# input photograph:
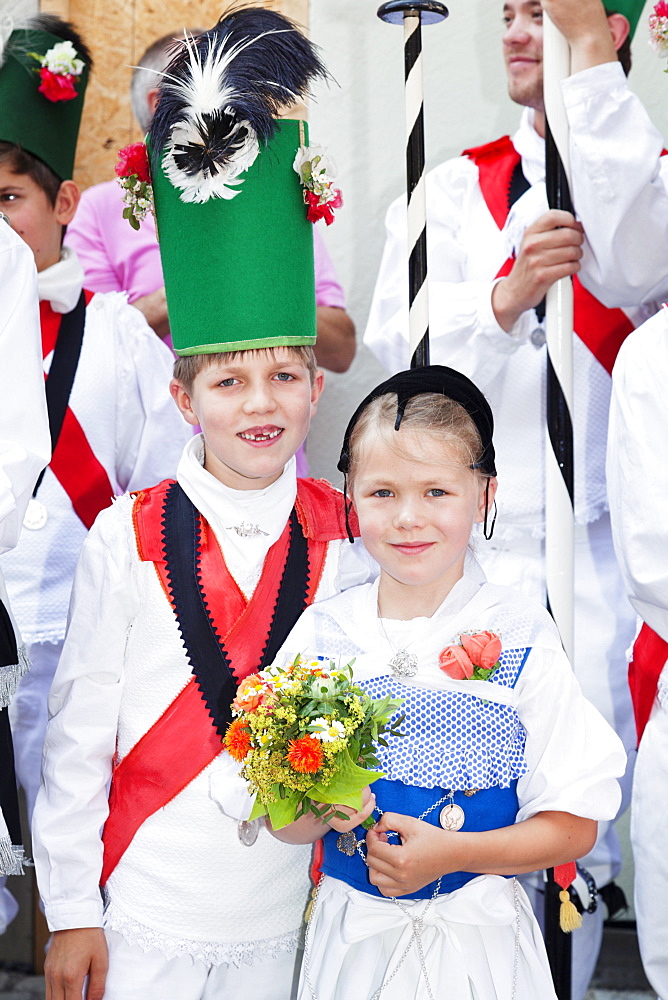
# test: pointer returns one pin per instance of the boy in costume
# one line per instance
(186, 588)
(113, 425)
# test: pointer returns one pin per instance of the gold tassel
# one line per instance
(309, 907)
(569, 918)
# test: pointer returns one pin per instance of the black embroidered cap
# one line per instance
(444, 381)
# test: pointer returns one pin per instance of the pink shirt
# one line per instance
(117, 258)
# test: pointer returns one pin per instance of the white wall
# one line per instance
(361, 122)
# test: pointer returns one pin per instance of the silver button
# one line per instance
(538, 336)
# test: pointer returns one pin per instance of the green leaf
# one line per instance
(257, 810)
(283, 812)
(345, 787)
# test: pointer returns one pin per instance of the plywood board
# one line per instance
(118, 33)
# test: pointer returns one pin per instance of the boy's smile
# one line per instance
(254, 409)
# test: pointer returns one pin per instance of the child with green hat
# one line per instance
(186, 588)
(113, 426)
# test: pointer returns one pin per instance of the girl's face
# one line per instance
(416, 516)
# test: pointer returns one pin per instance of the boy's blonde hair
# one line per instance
(441, 416)
(187, 369)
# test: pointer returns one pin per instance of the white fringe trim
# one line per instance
(210, 953)
(12, 858)
(10, 677)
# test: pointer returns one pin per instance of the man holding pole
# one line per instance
(494, 250)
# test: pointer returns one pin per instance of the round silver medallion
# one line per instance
(248, 831)
(451, 817)
(36, 515)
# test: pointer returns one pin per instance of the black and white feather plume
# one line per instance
(220, 96)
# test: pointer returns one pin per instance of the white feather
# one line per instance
(201, 187)
(14, 14)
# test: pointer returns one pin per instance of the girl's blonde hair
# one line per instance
(432, 412)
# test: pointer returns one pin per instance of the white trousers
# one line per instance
(649, 819)
(138, 975)
(28, 715)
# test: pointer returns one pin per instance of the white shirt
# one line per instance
(186, 884)
(466, 251)
(637, 469)
(120, 397)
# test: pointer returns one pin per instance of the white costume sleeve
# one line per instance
(466, 250)
(150, 431)
(80, 741)
(573, 756)
(25, 444)
(620, 192)
(636, 469)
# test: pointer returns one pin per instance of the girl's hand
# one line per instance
(420, 858)
(356, 818)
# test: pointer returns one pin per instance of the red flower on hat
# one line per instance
(317, 209)
(57, 86)
(133, 161)
(661, 8)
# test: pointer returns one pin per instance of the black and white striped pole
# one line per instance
(413, 14)
(559, 519)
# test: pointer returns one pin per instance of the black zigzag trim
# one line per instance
(209, 660)
(292, 592)
(210, 665)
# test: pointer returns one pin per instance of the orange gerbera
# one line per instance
(245, 700)
(305, 755)
(237, 740)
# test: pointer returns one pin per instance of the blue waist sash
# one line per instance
(488, 809)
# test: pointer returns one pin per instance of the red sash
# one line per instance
(183, 741)
(650, 654)
(73, 463)
(601, 329)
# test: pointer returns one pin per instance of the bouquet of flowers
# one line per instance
(305, 737)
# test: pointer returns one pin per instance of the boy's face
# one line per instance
(33, 217)
(254, 412)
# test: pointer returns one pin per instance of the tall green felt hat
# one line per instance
(231, 209)
(631, 9)
(45, 121)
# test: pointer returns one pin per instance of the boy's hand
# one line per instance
(398, 869)
(73, 955)
(356, 818)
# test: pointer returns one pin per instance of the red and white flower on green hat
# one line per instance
(317, 174)
(134, 177)
(658, 28)
(60, 67)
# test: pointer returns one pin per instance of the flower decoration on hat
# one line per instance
(134, 177)
(60, 67)
(221, 97)
(317, 174)
(658, 28)
(475, 657)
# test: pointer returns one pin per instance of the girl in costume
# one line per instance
(503, 768)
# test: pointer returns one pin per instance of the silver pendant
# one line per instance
(36, 515)
(248, 831)
(404, 664)
(347, 843)
(247, 530)
(451, 817)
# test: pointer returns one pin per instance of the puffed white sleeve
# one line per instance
(80, 742)
(620, 188)
(466, 250)
(637, 474)
(25, 443)
(573, 756)
(150, 432)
